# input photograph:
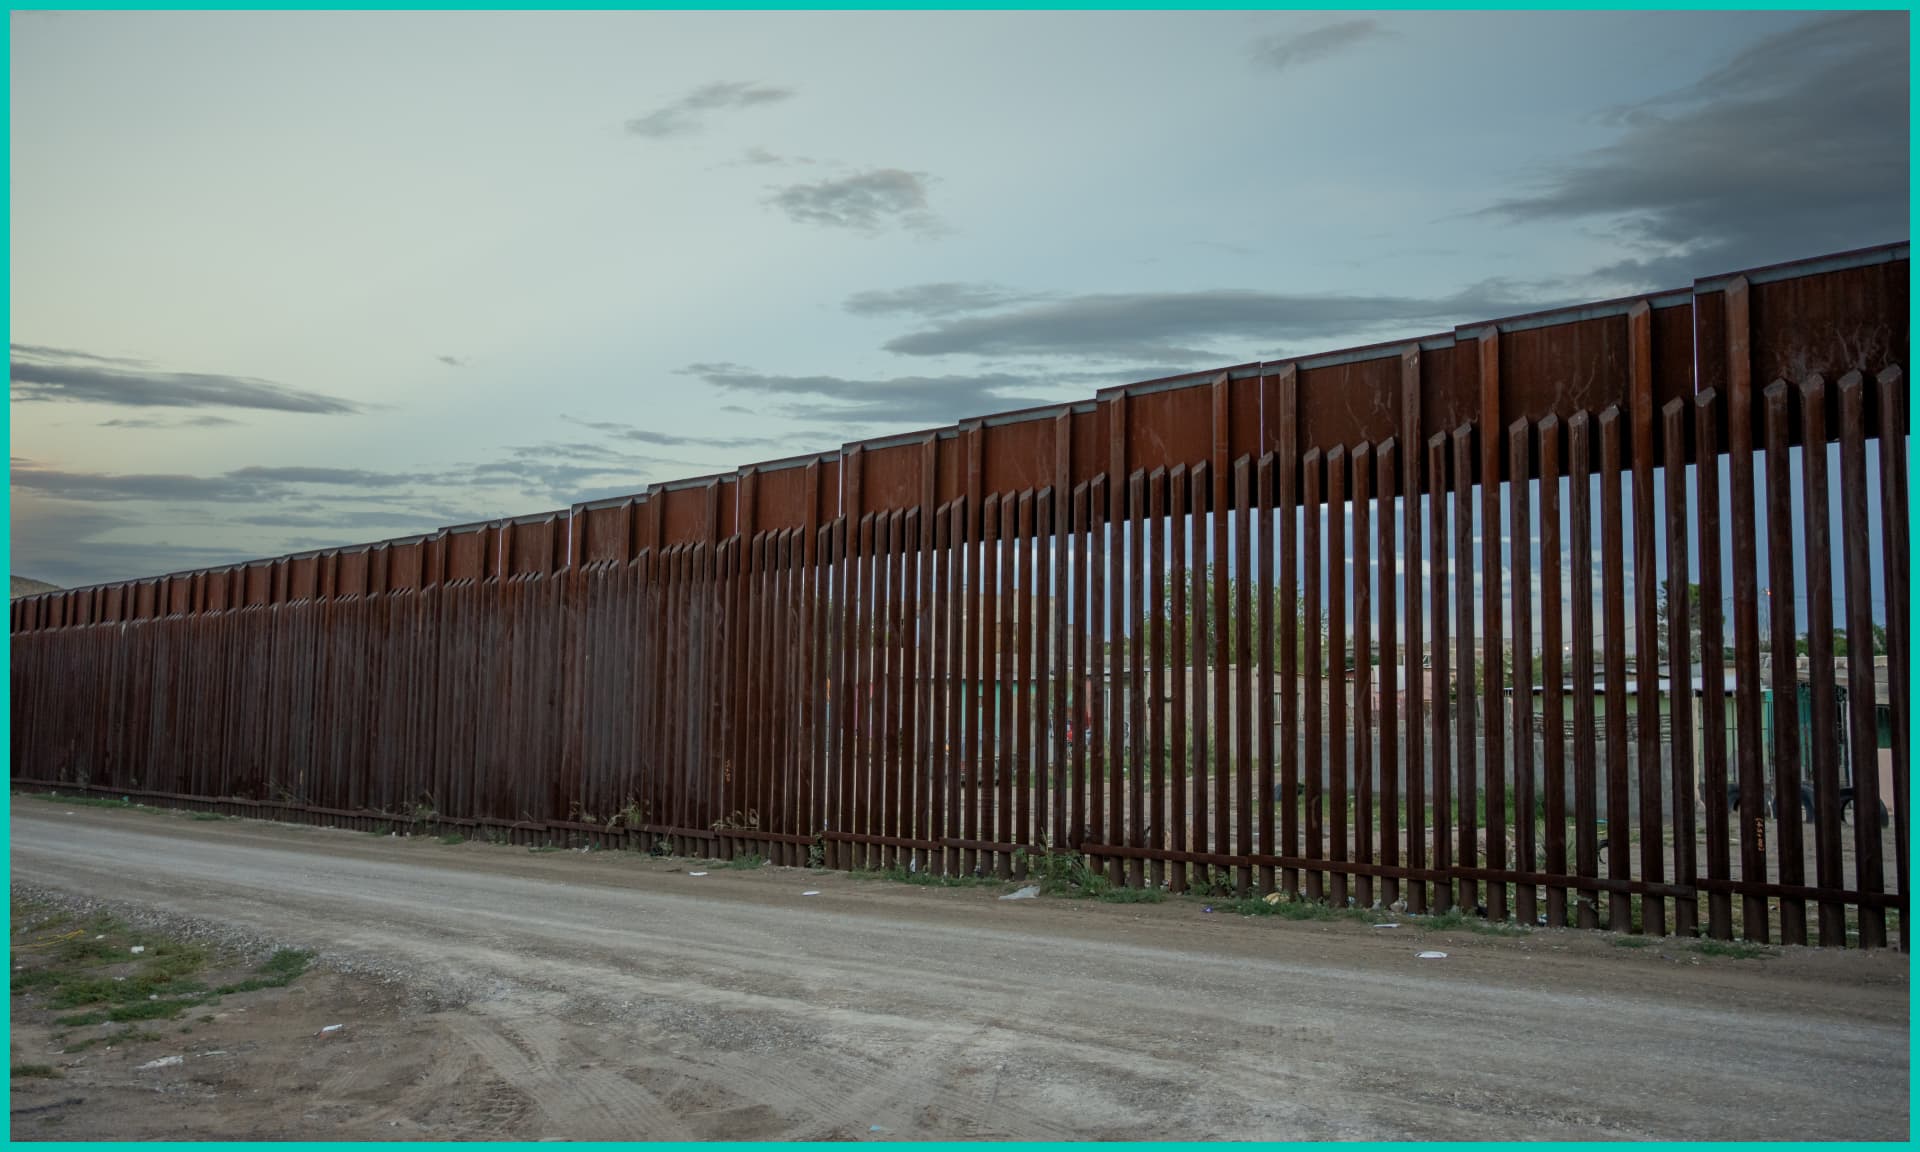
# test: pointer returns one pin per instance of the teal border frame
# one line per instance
(866, 5)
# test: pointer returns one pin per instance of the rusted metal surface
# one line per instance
(1247, 629)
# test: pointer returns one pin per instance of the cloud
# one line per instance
(924, 400)
(1797, 146)
(1281, 52)
(543, 473)
(943, 299)
(669, 439)
(758, 157)
(689, 113)
(351, 477)
(864, 202)
(353, 520)
(42, 352)
(451, 361)
(1162, 328)
(242, 484)
(46, 374)
(74, 545)
(190, 422)
(105, 487)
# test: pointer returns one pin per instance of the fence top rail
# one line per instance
(1534, 367)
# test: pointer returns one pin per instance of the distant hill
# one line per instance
(22, 586)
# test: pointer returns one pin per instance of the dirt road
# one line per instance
(615, 996)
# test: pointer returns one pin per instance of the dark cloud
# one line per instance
(1796, 147)
(73, 525)
(451, 361)
(1167, 328)
(105, 487)
(60, 374)
(42, 352)
(864, 202)
(1280, 52)
(261, 484)
(924, 400)
(689, 113)
(349, 477)
(190, 422)
(943, 299)
(74, 545)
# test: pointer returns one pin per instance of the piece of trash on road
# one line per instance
(696, 873)
(1433, 955)
(1273, 897)
(1208, 908)
(1027, 893)
(815, 892)
(329, 1028)
(137, 948)
(1387, 925)
(99, 937)
(873, 1127)
(163, 1062)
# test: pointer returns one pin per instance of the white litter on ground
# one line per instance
(696, 873)
(163, 1062)
(1027, 893)
(1433, 955)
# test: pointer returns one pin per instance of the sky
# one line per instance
(293, 280)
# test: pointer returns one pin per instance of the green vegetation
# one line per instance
(280, 969)
(1735, 949)
(750, 860)
(1633, 941)
(92, 965)
(1132, 896)
(1067, 874)
(127, 1035)
(34, 1070)
(901, 874)
(86, 801)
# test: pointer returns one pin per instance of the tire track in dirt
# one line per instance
(587, 1102)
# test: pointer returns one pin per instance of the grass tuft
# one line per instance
(1132, 896)
(84, 800)
(1733, 949)
(124, 1036)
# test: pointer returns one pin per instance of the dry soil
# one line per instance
(489, 991)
